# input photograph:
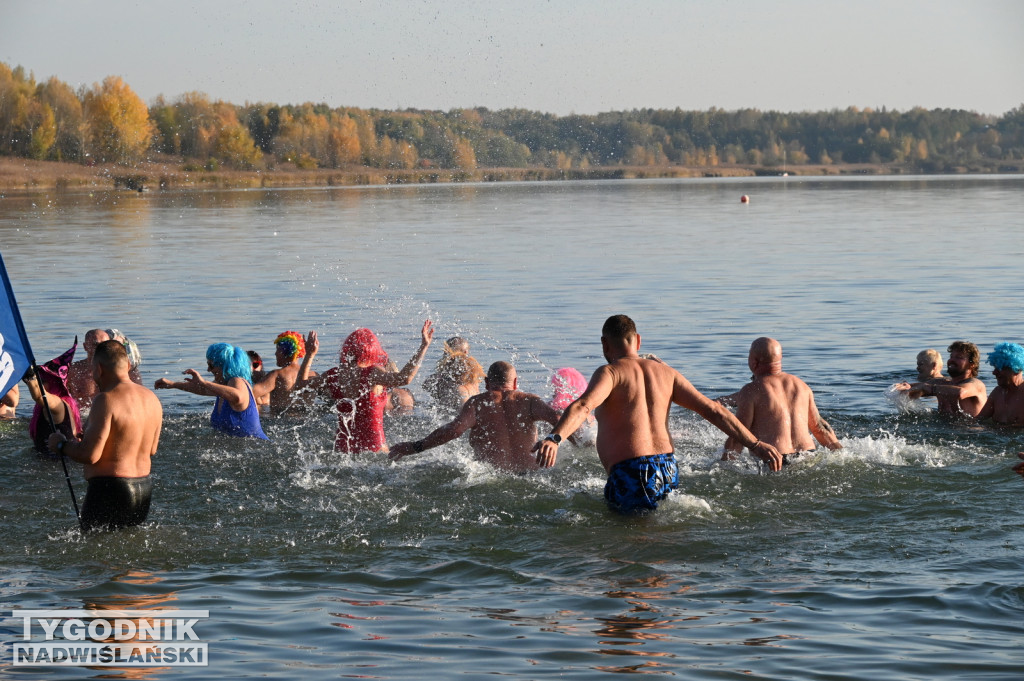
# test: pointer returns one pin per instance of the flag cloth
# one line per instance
(15, 352)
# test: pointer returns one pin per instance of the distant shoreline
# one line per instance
(25, 175)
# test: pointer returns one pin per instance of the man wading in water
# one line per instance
(122, 434)
(632, 397)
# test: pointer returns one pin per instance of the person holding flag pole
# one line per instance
(16, 359)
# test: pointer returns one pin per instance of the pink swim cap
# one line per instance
(569, 385)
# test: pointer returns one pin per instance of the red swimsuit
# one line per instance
(360, 420)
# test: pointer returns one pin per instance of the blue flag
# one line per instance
(15, 352)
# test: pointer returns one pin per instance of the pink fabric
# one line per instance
(54, 375)
(569, 385)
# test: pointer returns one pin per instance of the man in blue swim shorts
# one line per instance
(631, 397)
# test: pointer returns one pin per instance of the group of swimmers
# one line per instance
(629, 398)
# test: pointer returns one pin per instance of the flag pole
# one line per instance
(53, 427)
(26, 354)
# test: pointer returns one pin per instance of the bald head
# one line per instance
(929, 364)
(94, 337)
(765, 356)
(501, 376)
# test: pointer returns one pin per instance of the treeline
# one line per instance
(109, 123)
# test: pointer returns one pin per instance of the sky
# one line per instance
(555, 56)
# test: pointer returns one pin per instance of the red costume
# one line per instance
(360, 416)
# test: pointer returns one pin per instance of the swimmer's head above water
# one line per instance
(290, 346)
(231, 361)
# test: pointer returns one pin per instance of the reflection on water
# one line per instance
(316, 565)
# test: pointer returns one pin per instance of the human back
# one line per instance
(506, 427)
(130, 413)
(633, 419)
(779, 405)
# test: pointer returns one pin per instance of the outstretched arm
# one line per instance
(597, 392)
(234, 391)
(685, 395)
(265, 386)
(446, 433)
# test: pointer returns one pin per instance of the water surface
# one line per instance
(898, 557)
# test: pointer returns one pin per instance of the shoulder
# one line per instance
(796, 381)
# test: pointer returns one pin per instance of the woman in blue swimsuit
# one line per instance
(235, 411)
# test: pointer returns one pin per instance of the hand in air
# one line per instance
(312, 343)
(428, 332)
(163, 383)
(192, 376)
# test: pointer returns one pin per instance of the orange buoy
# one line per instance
(744, 199)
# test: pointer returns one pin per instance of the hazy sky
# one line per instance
(583, 56)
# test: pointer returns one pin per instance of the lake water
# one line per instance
(899, 557)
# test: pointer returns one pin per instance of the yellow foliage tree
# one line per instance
(118, 121)
(463, 156)
(44, 132)
(235, 148)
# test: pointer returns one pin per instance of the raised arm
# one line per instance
(312, 347)
(446, 433)
(390, 379)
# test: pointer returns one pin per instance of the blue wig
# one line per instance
(232, 361)
(1007, 355)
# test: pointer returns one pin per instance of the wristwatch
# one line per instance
(554, 437)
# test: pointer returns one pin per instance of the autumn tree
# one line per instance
(71, 130)
(118, 122)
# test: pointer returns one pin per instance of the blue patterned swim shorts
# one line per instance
(637, 485)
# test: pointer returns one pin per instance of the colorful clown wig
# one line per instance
(232, 361)
(1007, 356)
(293, 345)
(362, 348)
(569, 384)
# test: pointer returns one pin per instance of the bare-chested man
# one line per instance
(279, 384)
(120, 438)
(632, 397)
(502, 423)
(1005, 406)
(777, 407)
(964, 393)
(80, 382)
